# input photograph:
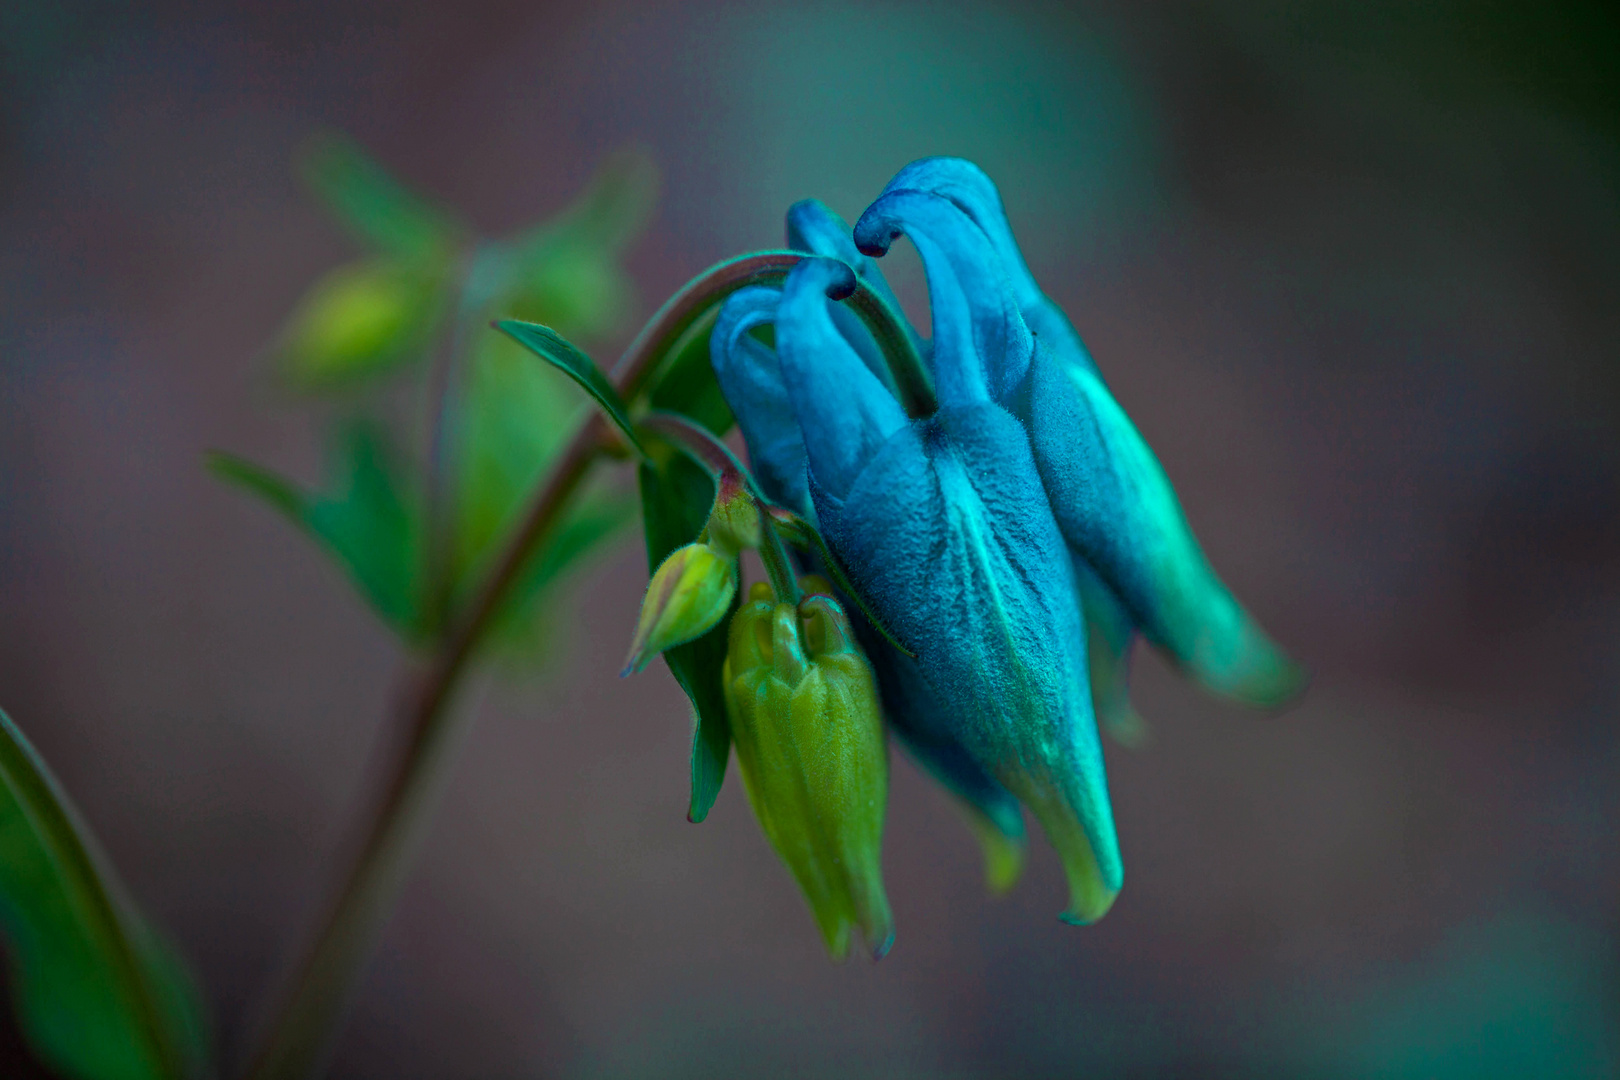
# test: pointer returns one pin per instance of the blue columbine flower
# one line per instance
(751, 376)
(995, 536)
(1113, 502)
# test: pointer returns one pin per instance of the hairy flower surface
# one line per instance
(809, 740)
(1015, 539)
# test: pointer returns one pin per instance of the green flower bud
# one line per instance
(734, 521)
(809, 737)
(688, 595)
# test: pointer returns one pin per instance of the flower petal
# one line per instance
(981, 346)
(845, 414)
(751, 380)
(948, 533)
(813, 227)
(967, 186)
(1109, 637)
(1117, 509)
(919, 719)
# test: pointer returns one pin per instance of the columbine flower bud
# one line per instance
(692, 589)
(809, 737)
(734, 521)
(690, 593)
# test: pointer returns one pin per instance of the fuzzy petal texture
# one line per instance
(845, 413)
(981, 345)
(948, 535)
(944, 526)
(1111, 498)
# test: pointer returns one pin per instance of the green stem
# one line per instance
(775, 558)
(307, 1023)
(302, 1032)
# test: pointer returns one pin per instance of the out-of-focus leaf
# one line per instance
(685, 383)
(362, 319)
(566, 272)
(514, 417)
(96, 993)
(276, 491)
(561, 353)
(607, 215)
(367, 522)
(676, 496)
(378, 208)
(372, 526)
(520, 630)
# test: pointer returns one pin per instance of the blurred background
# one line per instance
(1352, 266)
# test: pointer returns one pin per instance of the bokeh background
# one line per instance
(1353, 266)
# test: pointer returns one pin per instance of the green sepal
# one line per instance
(676, 496)
(367, 522)
(562, 354)
(98, 996)
(685, 383)
(377, 208)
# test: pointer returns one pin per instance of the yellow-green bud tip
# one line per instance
(688, 595)
(734, 520)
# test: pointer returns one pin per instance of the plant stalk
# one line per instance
(301, 1035)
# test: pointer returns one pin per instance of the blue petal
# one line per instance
(967, 186)
(981, 346)
(845, 414)
(1110, 496)
(947, 532)
(1117, 509)
(750, 377)
(813, 227)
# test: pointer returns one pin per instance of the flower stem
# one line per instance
(775, 558)
(300, 1037)
(303, 1031)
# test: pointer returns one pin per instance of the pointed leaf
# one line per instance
(371, 525)
(375, 206)
(559, 352)
(95, 993)
(676, 496)
(275, 491)
(367, 522)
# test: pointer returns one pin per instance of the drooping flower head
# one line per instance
(996, 535)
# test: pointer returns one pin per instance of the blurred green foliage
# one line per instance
(416, 533)
(96, 992)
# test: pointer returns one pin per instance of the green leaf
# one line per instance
(567, 273)
(559, 352)
(520, 630)
(375, 206)
(676, 496)
(368, 523)
(607, 215)
(96, 994)
(685, 383)
(373, 528)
